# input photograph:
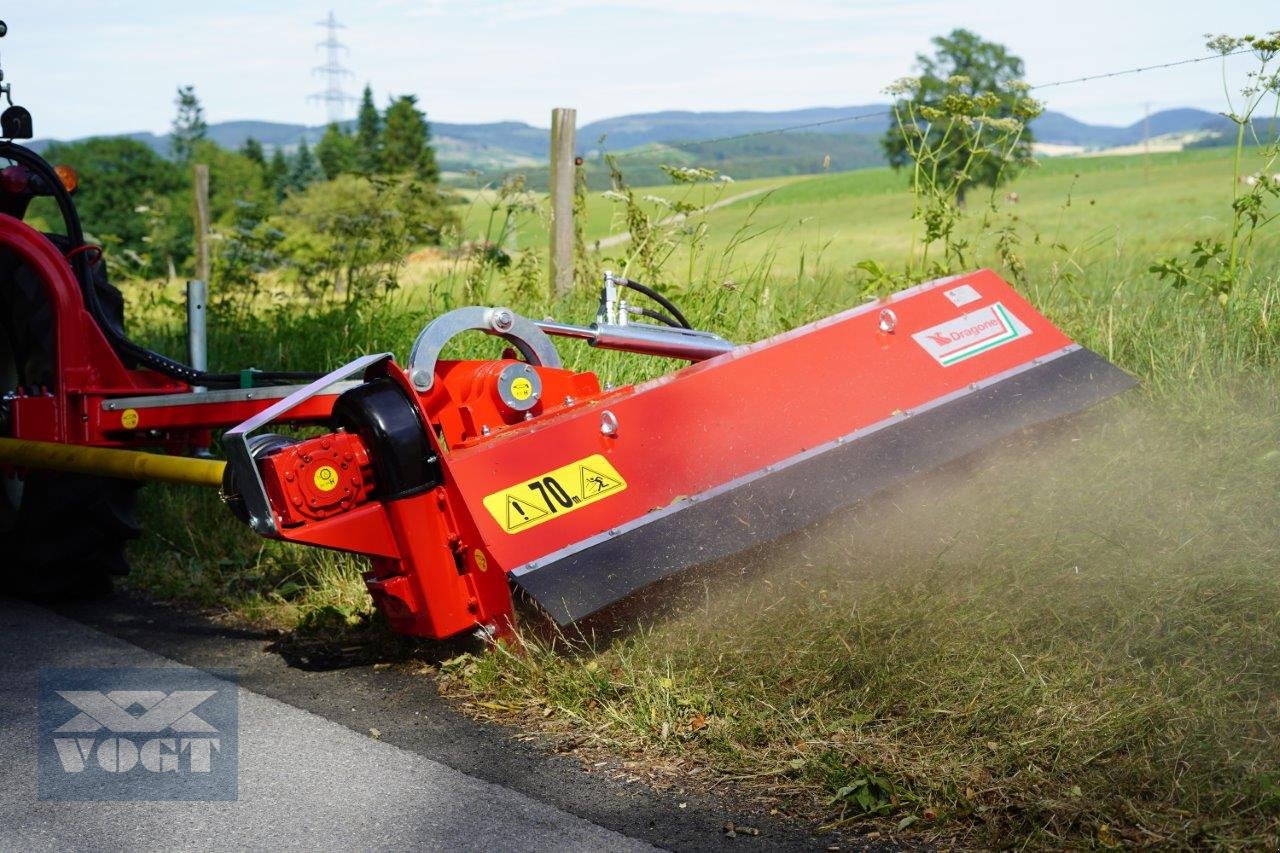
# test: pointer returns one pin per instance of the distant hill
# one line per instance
(498, 146)
(1062, 129)
(644, 128)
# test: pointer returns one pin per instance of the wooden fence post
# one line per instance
(563, 172)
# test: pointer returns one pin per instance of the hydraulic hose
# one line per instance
(81, 266)
(656, 297)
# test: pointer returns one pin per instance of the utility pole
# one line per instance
(333, 96)
(563, 173)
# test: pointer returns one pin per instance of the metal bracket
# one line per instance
(522, 332)
(240, 455)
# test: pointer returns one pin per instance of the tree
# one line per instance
(406, 141)
(252, 149)
(976, 71)
(123, 187)
(234, 181)
(304, 171)
(277, 178)
(368, 135)
(349, 237)
(336, 152)
(189, 126)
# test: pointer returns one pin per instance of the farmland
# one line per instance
(1071, 642)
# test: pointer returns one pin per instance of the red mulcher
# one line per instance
(461, 479)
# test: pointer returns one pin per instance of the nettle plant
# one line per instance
(658, 225)
(953, 139)
(1214, 266)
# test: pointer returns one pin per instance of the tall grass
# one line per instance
(1069, 644)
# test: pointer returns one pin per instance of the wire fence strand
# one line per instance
(657, 147)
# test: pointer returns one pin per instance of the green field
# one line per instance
(1072, 642)
(1105, 209)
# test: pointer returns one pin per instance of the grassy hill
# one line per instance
(1128, 207)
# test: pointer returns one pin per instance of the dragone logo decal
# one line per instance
(971, 334)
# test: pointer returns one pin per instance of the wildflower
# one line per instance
(958, 104)
(1004, 125)
(987, 101)
(903, 86)
(1027, 108)
(1223, 44)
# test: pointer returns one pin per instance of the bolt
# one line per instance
(502, 320)
(888, 320)
(421, 379)
(569, 401)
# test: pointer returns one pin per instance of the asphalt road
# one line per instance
(304, 782)
(311, 776)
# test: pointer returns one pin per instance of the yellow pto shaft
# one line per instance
(109, 462)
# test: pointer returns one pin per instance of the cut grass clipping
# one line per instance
(1077, 642)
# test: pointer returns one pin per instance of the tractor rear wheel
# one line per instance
(63, 534)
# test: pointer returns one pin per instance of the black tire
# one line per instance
(63, 534)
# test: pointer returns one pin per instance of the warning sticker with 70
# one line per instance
(528, 504)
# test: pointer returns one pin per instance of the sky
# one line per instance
(86, 68)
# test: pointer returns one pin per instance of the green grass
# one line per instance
(1075, 641)
(1069, 643)
(1107, 210)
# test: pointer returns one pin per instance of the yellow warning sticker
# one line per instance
(326, 478)
(129, 419)
(530, 503)
(521, 388)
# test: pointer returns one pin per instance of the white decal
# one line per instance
(962, 295)
(971, 334)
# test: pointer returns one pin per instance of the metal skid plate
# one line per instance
(744, 447)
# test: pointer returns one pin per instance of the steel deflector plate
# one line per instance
(795, 495)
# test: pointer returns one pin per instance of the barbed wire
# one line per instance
(660, 146)
(1143, 68)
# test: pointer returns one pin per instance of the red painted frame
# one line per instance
(90, 373)
(440, 560)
